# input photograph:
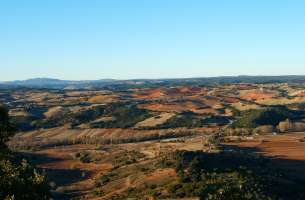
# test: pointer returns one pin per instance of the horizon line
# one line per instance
(133, 79)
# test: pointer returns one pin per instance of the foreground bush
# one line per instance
(18, 179)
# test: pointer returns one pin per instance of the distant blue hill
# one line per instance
(52, 83)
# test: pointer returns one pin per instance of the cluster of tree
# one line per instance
(23, 122)
(296, 106)
(186, 119)
(18, 179)
(29, 145)
(72, 118)
(28, 122)
(231, 176)
(268, 116)
(125, 115)
(264, 129)
(219, 176)
(85, 116)
(289, 126)
(191, 120)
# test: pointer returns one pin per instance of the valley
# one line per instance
(119, 143)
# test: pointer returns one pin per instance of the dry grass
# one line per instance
(18, 113)
(55, 112)
(174, 106)
(242, 106)
(154, 121)
(257, 94)
(286, 146)
(103, 99)
(281, 101)
(64, 136)
(149, 94)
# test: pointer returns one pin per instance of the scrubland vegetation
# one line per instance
(231, 176)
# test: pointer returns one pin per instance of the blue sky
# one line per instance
(124, 39)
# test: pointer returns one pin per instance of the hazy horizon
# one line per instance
(165, 78)
(80, 40)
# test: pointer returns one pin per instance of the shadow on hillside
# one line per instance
(278, 178)
(38, 159)
(293, 168)
(293, 176)
(61, 177)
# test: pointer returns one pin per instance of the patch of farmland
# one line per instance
(104, 119)
(191, 90)
(245, 106)
(183, 91)
(64, 136)
(230, 100)
(287, 148)
(103, 99)
(174, 107)
(19, 112)
(212, 102)
(55, 112)
(42, 96)
(149, 94)
(257, 94)
(156, 120)
(158, 177)
(281, 101)
(206, 111)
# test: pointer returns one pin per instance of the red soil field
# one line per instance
(257, 95)
(150, 94)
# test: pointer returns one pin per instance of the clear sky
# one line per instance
(123, 39)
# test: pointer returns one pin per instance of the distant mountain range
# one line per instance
(83, 84)
(50, 81)
(53, 83)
